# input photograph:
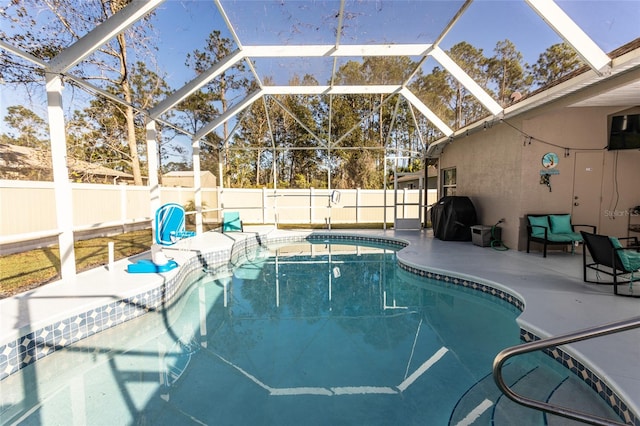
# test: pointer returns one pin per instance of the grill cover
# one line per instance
(452, 218)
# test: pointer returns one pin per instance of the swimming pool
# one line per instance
(298, 334)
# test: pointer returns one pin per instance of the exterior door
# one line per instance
(404, 211)
(587, 188)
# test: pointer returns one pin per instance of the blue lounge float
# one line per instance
(147, 266)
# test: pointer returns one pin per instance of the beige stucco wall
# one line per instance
(586, 129)
(500, 170)
(620, 189)
(488, 172)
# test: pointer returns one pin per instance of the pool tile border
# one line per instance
(473, 285)
(581, 371)
(29, 348)
(39, 343)
(587, 376)
(566, 360)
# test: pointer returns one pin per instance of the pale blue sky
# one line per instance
(183, 25)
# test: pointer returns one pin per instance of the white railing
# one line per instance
(552, 342)
(27, 208)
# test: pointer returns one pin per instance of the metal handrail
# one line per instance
(589, 333)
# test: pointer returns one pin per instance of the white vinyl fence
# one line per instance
(27, 209)
(321, 206)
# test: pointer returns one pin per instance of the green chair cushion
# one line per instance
(630, 259)
(535, 222)
(560, 223)
(568, 237)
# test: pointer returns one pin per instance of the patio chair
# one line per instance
(609, 257)
(170, 226)
(231, 222)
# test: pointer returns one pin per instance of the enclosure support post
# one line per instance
(62, 185)
(123, 207)
(264, 205)
(220, 187)
(358, 214)
(311, 206)
(154, 183)
(384, 194)
(197, 185)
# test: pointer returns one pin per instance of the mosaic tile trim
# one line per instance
(31, 347)
(586, 375)
(566, 360)
(483, 288)
(397, 244)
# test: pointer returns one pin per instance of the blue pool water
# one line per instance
(313, 334)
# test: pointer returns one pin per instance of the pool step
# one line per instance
(477, 405)
(574, 394)
(484, 404)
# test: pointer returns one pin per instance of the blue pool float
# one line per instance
(147, 266)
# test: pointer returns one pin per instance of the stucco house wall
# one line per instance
(620, 188)
(587, 130)
(499, 168)
(488, 172)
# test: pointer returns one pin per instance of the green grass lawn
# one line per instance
(24, 271)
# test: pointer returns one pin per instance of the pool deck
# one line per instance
(556, 299)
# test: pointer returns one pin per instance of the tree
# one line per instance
(17, 30)
(371, 121)
(554, 63)
(95, 134)
(194, 112)
(254, 132)
(434, 91)
(109, 66)
(506, 72)
(471, 59)
(99, 132)
(218, 90)
(297, 131)
(30, 129)
(147, 89)
(176, 167)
